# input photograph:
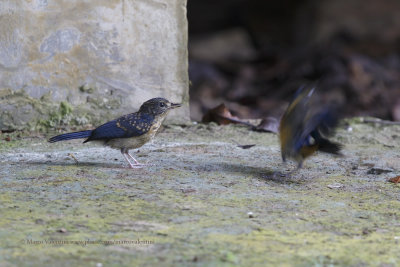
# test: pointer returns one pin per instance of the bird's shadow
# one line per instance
(79, 164)
(261, 173)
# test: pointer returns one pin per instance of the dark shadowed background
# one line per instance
(252, 55)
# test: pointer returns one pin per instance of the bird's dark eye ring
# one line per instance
(162, 104)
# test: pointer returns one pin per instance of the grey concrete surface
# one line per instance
(201, 201)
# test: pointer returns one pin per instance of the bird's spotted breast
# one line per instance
(152, 129)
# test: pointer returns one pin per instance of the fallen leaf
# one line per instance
(395, 180)
(219, 114)
(378, 171)
(222, 115)
(246, 146)
(269, 124)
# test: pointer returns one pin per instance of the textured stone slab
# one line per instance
(101, 59)
(201, 201)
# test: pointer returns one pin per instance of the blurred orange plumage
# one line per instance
(303, 127)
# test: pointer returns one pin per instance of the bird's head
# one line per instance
(157, 106)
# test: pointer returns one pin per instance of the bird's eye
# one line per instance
(162, 104)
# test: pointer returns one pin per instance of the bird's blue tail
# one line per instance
(69, 136)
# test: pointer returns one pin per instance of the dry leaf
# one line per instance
(246, 146)
(269, 124)
(395, 180)
(220, 115)
(223, 116)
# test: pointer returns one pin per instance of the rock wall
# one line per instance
(79, 62)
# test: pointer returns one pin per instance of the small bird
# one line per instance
(129, 131)
(304, 126)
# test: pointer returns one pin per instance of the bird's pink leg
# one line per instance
(133, 166)
(136, 162)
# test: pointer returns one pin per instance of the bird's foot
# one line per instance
(136, 166)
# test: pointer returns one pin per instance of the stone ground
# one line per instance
(203, 201)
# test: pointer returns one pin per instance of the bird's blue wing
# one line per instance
(134, 124)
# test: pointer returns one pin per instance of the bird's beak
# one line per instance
(173, 105)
